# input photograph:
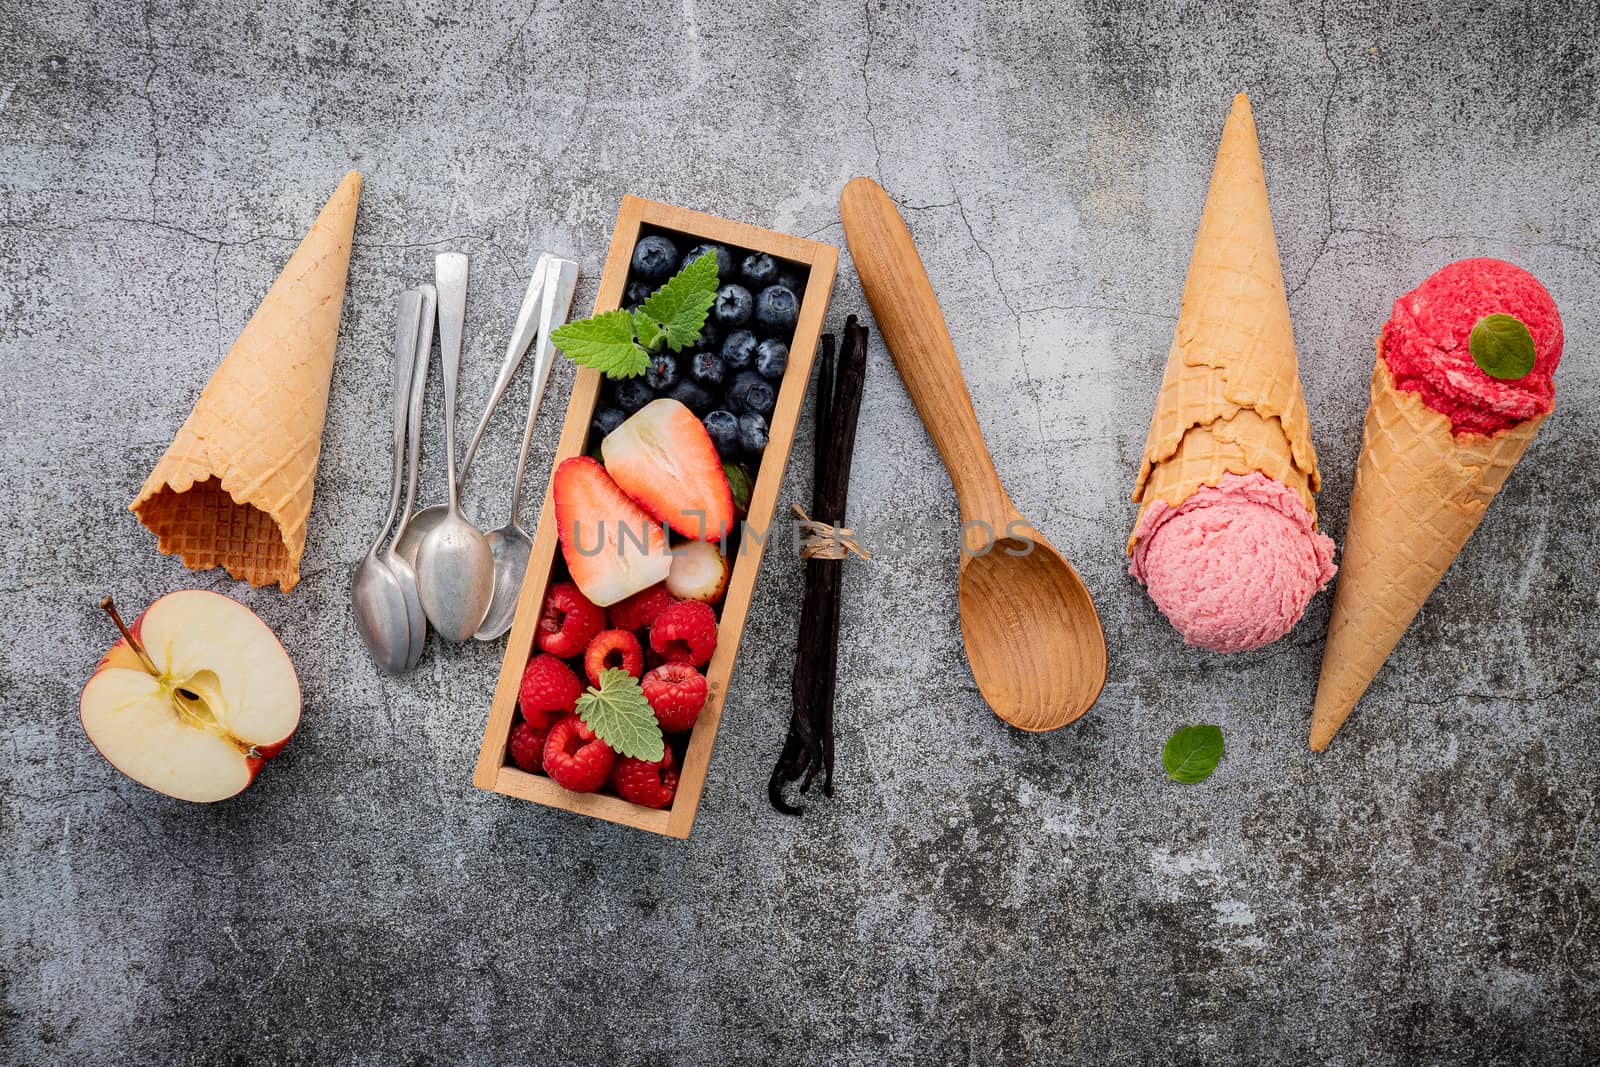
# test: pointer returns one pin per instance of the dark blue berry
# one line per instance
(723, 426)
(752, 433)
(605, 420)
(777, 308)
(636, 294)
(790, 280)
(759, 270)
(663, 373)
(751, 393)
(710, 335)
(693, 396)
(654, 258)
(633, 394)
(739, 349)
(724, 259)
(732, 308)
(772, 358)
(707, 368)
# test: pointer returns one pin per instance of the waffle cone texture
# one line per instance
(1231, 401)
(234, 488)
(1420, 491)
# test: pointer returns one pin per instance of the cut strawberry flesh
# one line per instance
(613, 549)
(663, 458)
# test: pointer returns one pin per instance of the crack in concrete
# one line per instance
(150, 104)
(866, 88)
(1327, 151)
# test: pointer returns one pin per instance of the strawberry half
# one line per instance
(612, 548)
(663, 458)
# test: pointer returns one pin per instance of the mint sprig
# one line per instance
(619, 715)
(1502, 347)
(1191, 754)
(620, 345)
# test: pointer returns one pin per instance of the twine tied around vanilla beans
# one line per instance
(827, 542)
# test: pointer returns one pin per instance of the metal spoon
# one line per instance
(425, 520)
(403, 567)
(455, 569)
(377, 592)
(510, 543)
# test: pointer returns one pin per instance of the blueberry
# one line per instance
(790, 280)
(751, 393)
(732, 308)
(752, 433)
(777, 308)
(759, 270)
(707, 368)
(633, 394)
(693, 396)
(723, 426)
(636, 294)
(663, 373)
(772, 358)
(654, 258)
(739, 349)
(710, 335)
(606, 420)
(724, 259)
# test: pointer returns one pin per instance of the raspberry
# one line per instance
(549, 689)
(613, 648)
(575, 758)
(640, 610)
(569, 621)
(527, 746)
(652, 785)
(686, 632)
(676, 692)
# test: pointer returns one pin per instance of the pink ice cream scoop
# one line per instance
(1234, 566)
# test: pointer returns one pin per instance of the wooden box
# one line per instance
(637, 218)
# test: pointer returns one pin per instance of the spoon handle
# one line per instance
(408, 311)
(521, 334)
(419, 387)
(450, 277)
(560, 282)
(907, 312)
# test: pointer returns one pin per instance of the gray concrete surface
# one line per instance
(1424, 893)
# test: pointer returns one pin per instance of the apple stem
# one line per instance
(110, 608)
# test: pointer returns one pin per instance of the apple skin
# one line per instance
(122, 656)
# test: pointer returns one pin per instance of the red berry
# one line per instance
(652, 785)
(549, 690)
(613, 648)
(527, 746)
(569, 621)
(575, 757)
(640, 610)
(686, 632)
(676, 692)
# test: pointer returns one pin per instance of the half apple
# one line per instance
(194, 698)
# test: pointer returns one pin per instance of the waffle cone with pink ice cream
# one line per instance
(1226, 541)
(1441, 436)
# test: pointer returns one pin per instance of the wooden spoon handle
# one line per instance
(907, 311)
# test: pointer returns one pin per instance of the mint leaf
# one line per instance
(649, 330)
(619, 715)
(1191, 754)
(1502, 347)
(605, 343)
(679, 307)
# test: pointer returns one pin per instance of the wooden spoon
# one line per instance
(1033, 639)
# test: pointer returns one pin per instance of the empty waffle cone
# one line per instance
(1230, 398)
(1420, 491)
(234, 488)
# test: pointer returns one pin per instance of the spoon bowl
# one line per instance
(379, 606)
(511, 546)
(1033, 639)
(1034, 663)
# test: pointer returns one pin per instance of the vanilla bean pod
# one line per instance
(808, 748)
